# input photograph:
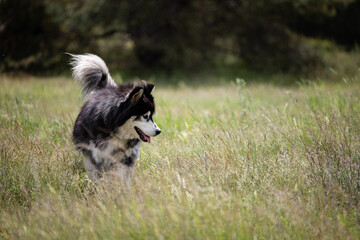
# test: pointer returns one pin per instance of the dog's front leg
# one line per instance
(92, 170)
(122, 175)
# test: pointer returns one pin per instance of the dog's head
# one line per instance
(141, 109)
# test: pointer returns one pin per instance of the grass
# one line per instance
(233, 162)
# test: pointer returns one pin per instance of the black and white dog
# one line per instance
(113, 121)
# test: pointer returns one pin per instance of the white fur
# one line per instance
(109, 160)
(87, 63)
(149, 127)
(118, 140)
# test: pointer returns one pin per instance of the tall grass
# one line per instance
(232, 162)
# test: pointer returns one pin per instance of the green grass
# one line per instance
(233, 162)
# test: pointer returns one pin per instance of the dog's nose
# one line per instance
(158, 131)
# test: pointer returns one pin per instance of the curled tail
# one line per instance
(91, 72)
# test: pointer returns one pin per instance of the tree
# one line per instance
(27, 33)
(173, 34)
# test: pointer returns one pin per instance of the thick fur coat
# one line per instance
(113, 121)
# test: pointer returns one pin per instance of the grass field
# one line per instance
(234, 161)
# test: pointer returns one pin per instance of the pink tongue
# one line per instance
(147, 138)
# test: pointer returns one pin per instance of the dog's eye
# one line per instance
(146, 117)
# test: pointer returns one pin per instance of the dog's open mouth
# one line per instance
(142, 135)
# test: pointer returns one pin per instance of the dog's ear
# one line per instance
(136, 94)
(150, 87)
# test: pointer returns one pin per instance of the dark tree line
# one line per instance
(172, 34)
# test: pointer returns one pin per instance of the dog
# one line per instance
(113, 121)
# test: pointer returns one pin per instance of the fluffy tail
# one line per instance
(91, 72)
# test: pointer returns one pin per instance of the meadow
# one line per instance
(236, 160)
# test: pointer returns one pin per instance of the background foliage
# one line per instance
(267, 35)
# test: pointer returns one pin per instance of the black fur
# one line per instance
(128, 161)
(108, 109)
(132, 143)
(94, 78)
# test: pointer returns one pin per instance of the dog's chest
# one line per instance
(115, 151)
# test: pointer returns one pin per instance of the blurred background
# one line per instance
(172, 36)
